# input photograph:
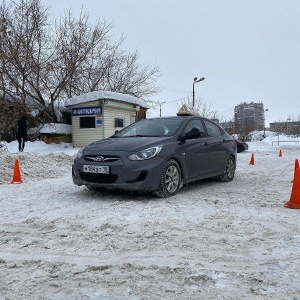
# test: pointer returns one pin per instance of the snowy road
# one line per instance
(211, 241)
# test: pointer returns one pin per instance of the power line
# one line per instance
(173, 90)
(200, 96)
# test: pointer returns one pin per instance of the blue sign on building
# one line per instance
(87, 111)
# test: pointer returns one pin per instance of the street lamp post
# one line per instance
(265, 124)
(195, 81)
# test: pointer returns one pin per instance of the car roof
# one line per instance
(172, 117)
(180, 117)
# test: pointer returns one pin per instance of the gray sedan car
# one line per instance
(158, 155)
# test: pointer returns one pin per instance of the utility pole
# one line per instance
(160, 104)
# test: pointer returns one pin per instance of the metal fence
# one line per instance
(278, 142)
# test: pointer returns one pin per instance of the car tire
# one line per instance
(170, 179)
(229, 170)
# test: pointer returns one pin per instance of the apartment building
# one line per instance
(249, 117)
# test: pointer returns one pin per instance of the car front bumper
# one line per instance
(132, 175)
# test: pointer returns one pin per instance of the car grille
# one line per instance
(98, 178)
(101, 158)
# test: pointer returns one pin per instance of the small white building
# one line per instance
(97, 115)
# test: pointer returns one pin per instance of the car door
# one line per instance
(215, 146)
(195, 151)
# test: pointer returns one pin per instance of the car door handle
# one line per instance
(206, 144)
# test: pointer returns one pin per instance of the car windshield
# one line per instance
(151, 127)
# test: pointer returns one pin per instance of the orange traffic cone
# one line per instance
(17, 173)
(296, 163)
(280, 153)
(296, 167)
(252, 159)
(295, 195)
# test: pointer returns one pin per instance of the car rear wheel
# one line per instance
(170, 179)
(229, 170)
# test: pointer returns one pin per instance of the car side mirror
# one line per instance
(193, 134)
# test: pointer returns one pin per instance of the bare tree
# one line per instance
(244, 130)
(21, 47)
(21, 36)
(203, 108)
(42, 64)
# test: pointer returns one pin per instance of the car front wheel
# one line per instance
(170, 179)
(229, 170)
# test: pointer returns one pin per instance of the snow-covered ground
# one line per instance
(213, 240)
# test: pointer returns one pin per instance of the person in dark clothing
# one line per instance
(22, 132)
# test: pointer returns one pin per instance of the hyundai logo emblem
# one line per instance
(99, 158)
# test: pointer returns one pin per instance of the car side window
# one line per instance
(212, 129)
(195, 124)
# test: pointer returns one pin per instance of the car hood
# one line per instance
(129, 144)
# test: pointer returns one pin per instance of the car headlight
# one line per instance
(145, 154)
(80, 153)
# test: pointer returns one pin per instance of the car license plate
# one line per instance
(96, 169)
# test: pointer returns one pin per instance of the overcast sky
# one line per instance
(247, 50)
